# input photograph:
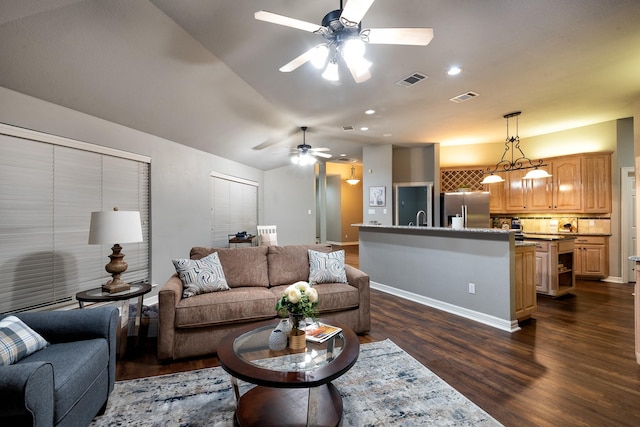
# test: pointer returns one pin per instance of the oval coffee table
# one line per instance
(293, 386)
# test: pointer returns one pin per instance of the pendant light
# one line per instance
(352, 179)
(512, 143)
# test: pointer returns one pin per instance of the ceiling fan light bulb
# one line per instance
(295, 160)
(331, 72)
(319, 56)
(353, 48)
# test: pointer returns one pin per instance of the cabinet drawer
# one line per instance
(566, 246)
(591, 240)
(541, 246)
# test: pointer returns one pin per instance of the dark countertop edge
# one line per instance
(634, 258)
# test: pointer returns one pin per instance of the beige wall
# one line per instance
(598, 137)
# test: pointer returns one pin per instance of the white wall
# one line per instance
(180, 176)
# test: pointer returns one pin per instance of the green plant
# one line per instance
(298, 298)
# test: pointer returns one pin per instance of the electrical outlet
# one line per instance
(472, 288)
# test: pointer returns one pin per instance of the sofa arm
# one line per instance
(359, 279)
(26, 394)
(168, 297)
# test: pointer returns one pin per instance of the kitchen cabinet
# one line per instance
(525, 275)
(596, 183)
(580, 183)
(592, 257)
(497, 196)
(555, 274)
(567, 184)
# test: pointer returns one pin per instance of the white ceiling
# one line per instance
(204, 73)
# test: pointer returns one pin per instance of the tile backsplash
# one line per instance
(560, 224)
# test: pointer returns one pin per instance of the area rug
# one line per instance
(386, 387)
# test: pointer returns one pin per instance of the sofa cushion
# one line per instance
(241, 266)
(236, 305)
(327, 267)
(17, 340)
(290, 264)
(76, 365)
(201, 276)
(331, 296)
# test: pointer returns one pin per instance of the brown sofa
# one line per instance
(257, 277)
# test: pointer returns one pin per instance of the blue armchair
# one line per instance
(68, 382)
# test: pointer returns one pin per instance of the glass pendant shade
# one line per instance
(319, 56)
(331, 72)
(536, 174)
(492, 179)
(352, 179)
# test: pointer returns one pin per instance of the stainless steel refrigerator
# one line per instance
(473, 206)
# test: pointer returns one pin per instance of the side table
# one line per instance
(138, 289)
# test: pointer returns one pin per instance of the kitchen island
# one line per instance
(468, 272)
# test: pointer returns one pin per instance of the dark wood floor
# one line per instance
(573, 364)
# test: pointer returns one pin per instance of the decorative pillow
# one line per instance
(201, 276)
(17, 340)
(327, 267)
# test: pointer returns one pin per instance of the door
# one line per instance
(628, 223)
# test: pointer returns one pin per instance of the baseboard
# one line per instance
(495, 322)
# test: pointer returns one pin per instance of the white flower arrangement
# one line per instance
(299, 298)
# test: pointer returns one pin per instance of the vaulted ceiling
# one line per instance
(204, 73)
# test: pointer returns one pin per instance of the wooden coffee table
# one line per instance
(293, 386)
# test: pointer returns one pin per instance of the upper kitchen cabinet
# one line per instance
(527, 195)
(496, 191)
(567, 184)
(596, 183)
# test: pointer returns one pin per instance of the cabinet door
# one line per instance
(515, 192)
(596, 183)
(539, 194)
(567, 184)
(593, 261)
(497, 195)
(542, 272)
(529, 304)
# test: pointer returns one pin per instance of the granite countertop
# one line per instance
(528, 236)
(531, 233)
(522, 243)
(416, 228)
(634, 258)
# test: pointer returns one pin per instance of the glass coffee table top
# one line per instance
(253, 347)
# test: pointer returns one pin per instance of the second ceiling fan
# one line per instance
(304, 154)
(342, 31)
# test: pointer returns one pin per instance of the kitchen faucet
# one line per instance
(418, 217)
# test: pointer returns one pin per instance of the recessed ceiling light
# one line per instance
(370, 112)
(363, 128)
(454, 71)
(343, 155)
(387, 134)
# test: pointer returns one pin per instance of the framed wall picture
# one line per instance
(377, 196)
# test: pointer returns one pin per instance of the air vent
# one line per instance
(346, 160)
(348, 128)
(412, 79)
(464, 97)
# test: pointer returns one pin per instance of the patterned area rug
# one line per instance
(386, 387)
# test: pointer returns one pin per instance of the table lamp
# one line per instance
(108, 227)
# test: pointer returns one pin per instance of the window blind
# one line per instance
(47, 193)
(234, 208)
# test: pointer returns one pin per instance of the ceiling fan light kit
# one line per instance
(343, 32)
(512, 144)
(304, 154)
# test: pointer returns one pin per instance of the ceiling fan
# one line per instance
(304, 154)
(341, 29)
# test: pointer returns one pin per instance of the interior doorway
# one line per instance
(628, 222)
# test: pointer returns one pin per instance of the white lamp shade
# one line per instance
(492, 179)
(536, 174)
(111, 227)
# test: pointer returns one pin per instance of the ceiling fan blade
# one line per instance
(274, 18)
(321, 149)
(406, 36)
(276, 140)
(325, 155)
(354, 11)
(300, 60)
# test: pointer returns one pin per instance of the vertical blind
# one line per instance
(234, 208)
(47, 193)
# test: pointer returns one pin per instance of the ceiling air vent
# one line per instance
(348, 128)
(412, 79)
(464, 97)
(346, 159)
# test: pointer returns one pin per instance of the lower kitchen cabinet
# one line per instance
(555, 274)
(526, 305)
(592, 257)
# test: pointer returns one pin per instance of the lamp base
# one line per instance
(115, 285)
